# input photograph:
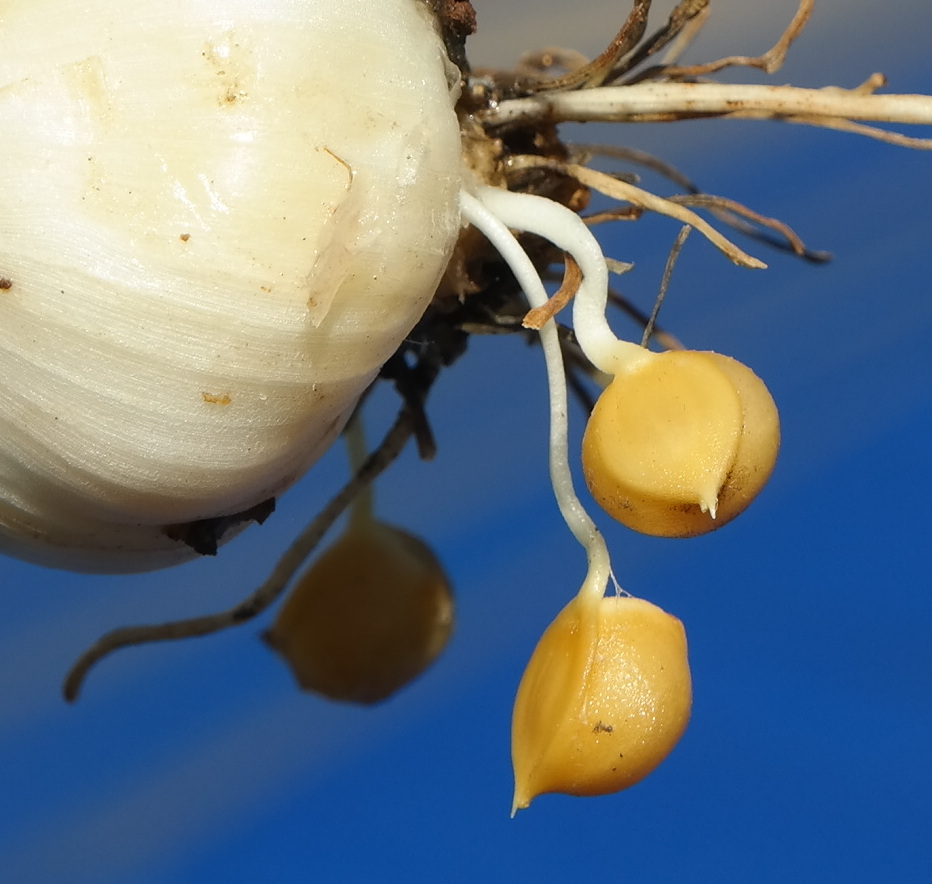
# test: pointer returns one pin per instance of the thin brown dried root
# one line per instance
(684, 23)
(829, 107)
(687, 32)
(666, 340)
(770, 62)
(736, 215)
(597, 71)
(573, 354)
(622, 190)
(537, 317)
(288, 565)
(878, 134)
(677, 247)
(623, 213)
(638, 157)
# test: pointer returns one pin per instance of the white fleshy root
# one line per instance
(830, 107)
(565, 229)
(484, 211)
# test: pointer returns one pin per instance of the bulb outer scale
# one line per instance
(217, 221)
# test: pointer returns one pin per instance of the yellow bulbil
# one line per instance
(369, 616)
(605, 697)
(681, 443)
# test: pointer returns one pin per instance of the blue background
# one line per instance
(809, 618)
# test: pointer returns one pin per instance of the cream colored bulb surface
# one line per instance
(217, 221)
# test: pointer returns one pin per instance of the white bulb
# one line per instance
(218, 218)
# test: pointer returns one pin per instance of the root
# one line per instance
(830, 107)
(265, 595)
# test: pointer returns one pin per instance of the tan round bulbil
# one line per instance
(367, 617)
(681, 443)
(605, 697)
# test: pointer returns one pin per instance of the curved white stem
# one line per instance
(481, 212)
(565, 229)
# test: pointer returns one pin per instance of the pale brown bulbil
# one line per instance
(681, 443)
(368, 616)
(605, 698)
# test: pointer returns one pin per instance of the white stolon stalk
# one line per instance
(484, 210)
(556, 223)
